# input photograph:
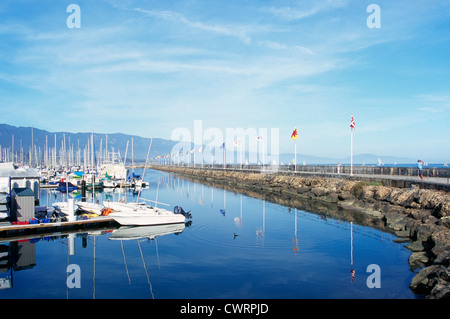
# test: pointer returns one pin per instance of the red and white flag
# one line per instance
(352, 123)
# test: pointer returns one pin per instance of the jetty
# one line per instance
(437, 178)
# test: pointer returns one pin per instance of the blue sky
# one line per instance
(149, 67)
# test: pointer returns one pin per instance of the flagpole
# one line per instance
(351, 151)
(351, 244)
(263, 153)
(294, 136)
(352, 128)
(223, 155)
(240, 151)
(295, 156)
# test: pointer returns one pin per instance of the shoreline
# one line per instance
(418, 216)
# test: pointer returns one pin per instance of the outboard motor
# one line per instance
(180, 210)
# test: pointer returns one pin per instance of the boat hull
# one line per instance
(147, 219)
(132, 214)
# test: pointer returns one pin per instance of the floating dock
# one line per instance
(8, 230)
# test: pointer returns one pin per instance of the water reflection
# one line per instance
(149, 232)
(144, 232)
(239, 245)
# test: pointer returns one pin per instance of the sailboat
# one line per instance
(140, 213)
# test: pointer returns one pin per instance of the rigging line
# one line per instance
(157, 254)
(143, 174)
(67, 273)
(125, 261)
(93, 290)
(146, 272)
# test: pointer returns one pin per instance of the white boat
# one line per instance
(90, 207)
(150, 232)
(61, 207)
(110, 183)
(142, 214)
(139, 183)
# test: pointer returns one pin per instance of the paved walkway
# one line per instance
(404, 181)
(439, 183)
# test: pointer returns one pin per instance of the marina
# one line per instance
(235, 246)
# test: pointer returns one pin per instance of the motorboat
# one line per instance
(62, 207)
(126, 213)
(89, 207)
(65, 187)
(150, 232)
(107, 183)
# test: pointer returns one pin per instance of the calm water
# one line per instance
(236, 247)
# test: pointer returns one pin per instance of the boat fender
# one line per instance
(106, 211)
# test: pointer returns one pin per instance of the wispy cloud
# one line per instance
(433, 103)
(234, 31)
(293, 62)
(305, 9)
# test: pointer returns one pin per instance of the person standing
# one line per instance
(420, 167)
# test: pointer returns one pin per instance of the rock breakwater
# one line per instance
(419, 216)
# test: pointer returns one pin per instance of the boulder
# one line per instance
(445, 221)
(395, 220)
(418, 259)
(320, 191)
(440, 291)
(419, 214)
(382, 193)
(420, 282)
(441, 244)
(415, 246)
(424, 231)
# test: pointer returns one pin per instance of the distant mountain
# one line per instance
(116, 141)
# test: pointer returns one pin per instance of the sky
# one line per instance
(148, 68)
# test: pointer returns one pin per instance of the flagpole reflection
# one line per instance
(295, 239)
(261, 232)
(352, 271)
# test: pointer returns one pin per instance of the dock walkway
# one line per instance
(8, 230)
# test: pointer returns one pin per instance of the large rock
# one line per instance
(382, 193)
(395, 220)
(425, 231)
(440, 291)
(441, 244)
(445, 221)
(421, 281)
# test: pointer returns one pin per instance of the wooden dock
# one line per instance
(10, 231)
